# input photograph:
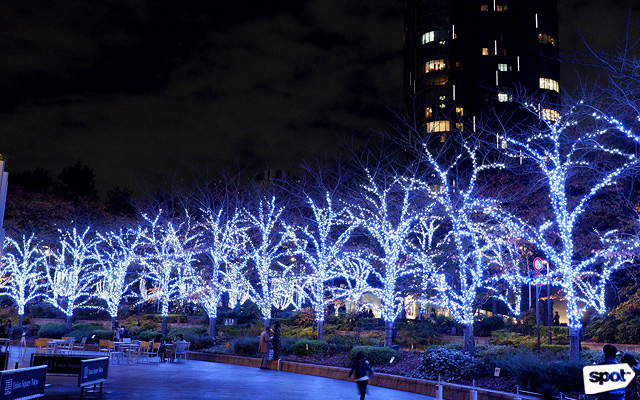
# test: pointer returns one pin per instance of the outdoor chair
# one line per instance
(181, 351)
(80, 346)
(113, 352)
(154, 350)
(68, 346)
(143, 350)
(104, 347)
(41, 345)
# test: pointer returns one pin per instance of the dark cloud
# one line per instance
(139, 89)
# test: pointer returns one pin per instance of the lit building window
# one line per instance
(550, 115)
(428, 37)
(504, 67)
(460, 126)
(484, 7)
(485, 51)
(442, 106)
(437, 80)
(550, 84)
(504, 144)
(504, 98)
(440, 35)
(460, 111)
(438, 126)
(428, 112)
(442, 98)
(434, 65)
(547, 39)
(502, 8)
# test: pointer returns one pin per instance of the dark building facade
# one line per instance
(463, 58)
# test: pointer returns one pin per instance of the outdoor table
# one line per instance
(4, 342)
(54, 344)
(126, 348)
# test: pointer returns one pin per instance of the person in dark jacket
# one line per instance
(362, 371)
(276, 341)
(610, 351)
(632, 389)
(162, 350)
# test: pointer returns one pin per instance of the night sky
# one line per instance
(138, 90)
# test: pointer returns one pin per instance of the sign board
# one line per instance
(23, 384)
(607, 377)
(59, 364)
(93, 371)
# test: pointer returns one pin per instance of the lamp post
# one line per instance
(538, 264)
(548, 305)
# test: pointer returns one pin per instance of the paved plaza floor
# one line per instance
(207, 380)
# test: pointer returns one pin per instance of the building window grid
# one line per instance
(438, 126)
(543, 38)
(550, 84)
(434, 65)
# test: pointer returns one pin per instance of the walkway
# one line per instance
(206, 380)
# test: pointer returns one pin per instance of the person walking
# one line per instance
(263, 347)
(362, 371)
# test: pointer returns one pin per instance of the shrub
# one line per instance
(32, 330)
(303, 318)
(17, 332)
(147, 336)
(446, 364)
(135, 330)
(488, 325)
(53, 330)
(512, 339)
(534, 370)
(344, 343)
(190, 331)
(104, 334)
(246, 345)
(309, 347)
(84, 330)
(375, 355)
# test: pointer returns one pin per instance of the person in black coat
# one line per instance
(362, 371)
(276, 341)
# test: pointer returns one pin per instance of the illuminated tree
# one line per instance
(321, 248)
(115, 254)
(579, 157)
(71, 272)
(169, 249)
(268, 242)
(464, 236)
(222, 239)
(22, 272)
(389, 220)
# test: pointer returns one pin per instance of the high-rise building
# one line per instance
(463, 58)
